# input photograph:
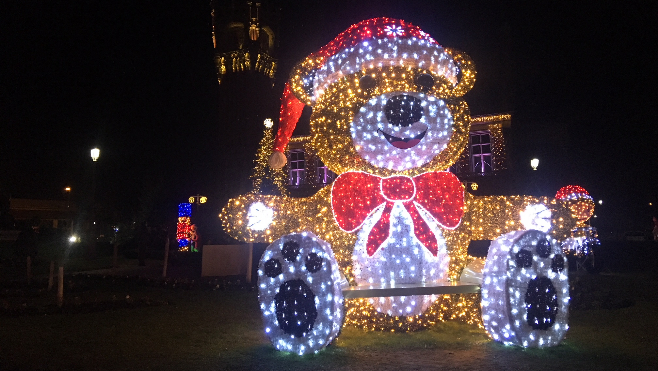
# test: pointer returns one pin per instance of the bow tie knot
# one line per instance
(398, 188)
(433, 197)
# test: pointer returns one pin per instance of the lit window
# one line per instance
(323, 174)
(297, 167)
(481, 159)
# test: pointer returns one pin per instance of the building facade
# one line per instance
(48, 213)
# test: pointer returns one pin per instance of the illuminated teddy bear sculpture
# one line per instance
(388, 118)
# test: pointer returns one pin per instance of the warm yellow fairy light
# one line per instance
(335, 107)
(333, 113)
(261, 169)
(485, 218)
(491, 118)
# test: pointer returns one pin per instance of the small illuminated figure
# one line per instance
(194, 238)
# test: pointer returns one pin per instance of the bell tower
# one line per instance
(244, 37)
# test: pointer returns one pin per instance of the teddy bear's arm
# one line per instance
(487, 217)
(264, 218)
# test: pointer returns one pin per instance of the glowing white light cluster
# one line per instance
(525, 274)
(306, 264)
(577, 196)
(581, 241)
(373, 134)
(536, 216)
(409, 52)
(259, 216)
(401, 259)
(394, 30)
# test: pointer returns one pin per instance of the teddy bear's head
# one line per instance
(385, 99)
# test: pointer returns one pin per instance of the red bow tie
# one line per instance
(355, 195)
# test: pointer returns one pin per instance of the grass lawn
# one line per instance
(162, 328)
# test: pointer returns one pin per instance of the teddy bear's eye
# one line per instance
(425, 81)
(367, 82)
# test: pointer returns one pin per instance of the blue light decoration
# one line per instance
(184, 209)
(183, 227)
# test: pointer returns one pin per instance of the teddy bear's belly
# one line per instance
(401, 259)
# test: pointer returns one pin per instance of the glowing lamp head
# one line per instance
(95, 154)
(67, 189)
(534, 163)
(203, 199)
(268, 123)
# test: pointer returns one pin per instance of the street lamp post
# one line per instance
(95, 155)
(534, 164)
(69, 218)
(68, 196)
(197, 200)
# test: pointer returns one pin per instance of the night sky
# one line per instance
(137, 79)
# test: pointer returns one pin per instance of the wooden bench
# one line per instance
(430, 288)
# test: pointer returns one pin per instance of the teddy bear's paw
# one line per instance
(525, 290)
(300, 293)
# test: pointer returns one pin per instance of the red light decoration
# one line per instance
(183, 229)
(572, 192)
(370, 28)
(579, 202)
(291, 110)
(355, 195)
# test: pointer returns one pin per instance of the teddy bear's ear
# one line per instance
(466, 72)
(302, 78)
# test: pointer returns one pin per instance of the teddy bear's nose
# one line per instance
(403, 110)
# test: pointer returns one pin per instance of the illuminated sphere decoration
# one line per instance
(300, 293)
(525, 290)
(579, 202)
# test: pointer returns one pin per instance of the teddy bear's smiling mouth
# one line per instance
(403, 143)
